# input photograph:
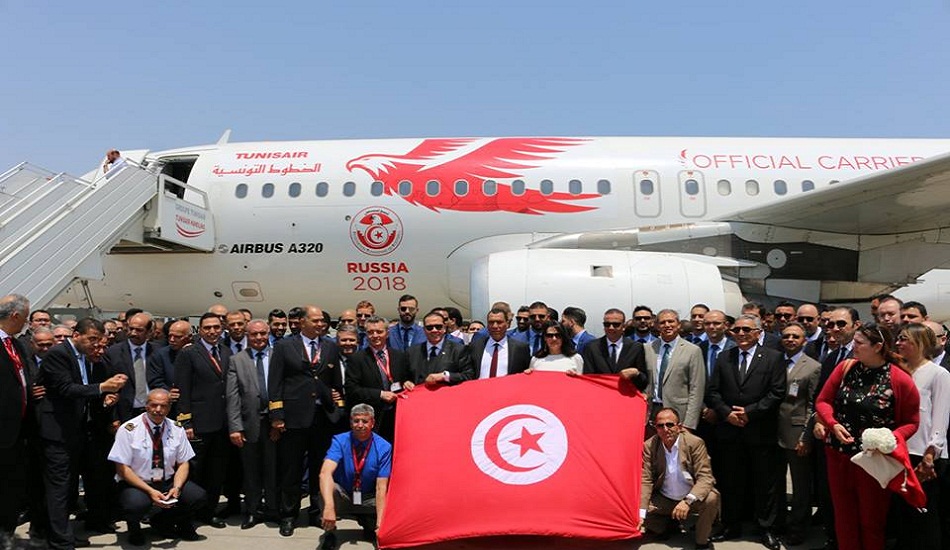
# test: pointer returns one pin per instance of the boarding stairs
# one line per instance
(55, 228)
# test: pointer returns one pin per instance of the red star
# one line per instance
(528, 441)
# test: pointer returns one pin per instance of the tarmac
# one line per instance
(349, 537)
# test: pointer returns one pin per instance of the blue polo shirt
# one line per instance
(379, 462)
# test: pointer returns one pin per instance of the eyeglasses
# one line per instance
(537, 316)
(612, 324)
(363, 315)
(642, 317)
(551, 335)
(785, 316)
(839, 323)
(435, 327)
(743, 330)
(805, 319)
(665, 425)
(407, 308)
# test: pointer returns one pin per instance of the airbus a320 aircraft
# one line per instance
(595, 222)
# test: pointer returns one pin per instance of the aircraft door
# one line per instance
(692, 191)
(646, 193)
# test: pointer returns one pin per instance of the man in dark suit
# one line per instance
(745, 391)
(438, 360)
(303, 369)
(129, 357)
(249, 424)
(512, 356)
(406, 333)
(16, 412)
(161, 364)
(375, 375)
(615, 354)
(65, 415)
(200, 372)
(39, 318)
(716, 326)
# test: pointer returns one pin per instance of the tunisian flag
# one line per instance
(539, 454)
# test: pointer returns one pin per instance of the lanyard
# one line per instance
(384, 366)
(359, 463)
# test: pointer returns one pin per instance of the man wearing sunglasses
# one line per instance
(810, 319)
(406, 333)
(677, 373)
(745, 391)
(614, 353)
(784, 314)
(438, 360)
(676, 480)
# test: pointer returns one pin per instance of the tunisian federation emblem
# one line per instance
(376, 231)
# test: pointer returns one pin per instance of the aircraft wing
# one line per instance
(909, 199)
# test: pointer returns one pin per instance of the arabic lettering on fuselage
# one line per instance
(271, 169)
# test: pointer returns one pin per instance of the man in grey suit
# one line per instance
(793, 414)
(677, 374)
(249, 424)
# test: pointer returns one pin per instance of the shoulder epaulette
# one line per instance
(130, 426)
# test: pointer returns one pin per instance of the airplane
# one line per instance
(595, 222)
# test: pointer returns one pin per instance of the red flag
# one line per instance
(539, 454)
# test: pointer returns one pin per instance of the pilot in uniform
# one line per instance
(149, 475)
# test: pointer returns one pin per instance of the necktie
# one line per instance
(743, 365)
(261, 379)
(537, 343)
(841, 354)
(214, 360)
(493, 370)
(158, 454)
(432, 352)
(138, 370)
(664, 362)
(314, 352)
(237, 347)
(789, 363)
(18, 365)
(82, 369)
(381, 363)
(613, 355)
(713, 354)
(405, 338)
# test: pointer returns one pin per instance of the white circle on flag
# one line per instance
(519, 444)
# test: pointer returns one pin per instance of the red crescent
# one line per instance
(491, 443)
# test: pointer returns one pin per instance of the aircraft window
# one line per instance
(603, 187)
(405, 188)
(240, 191)
(323, 188)
(294, 190)
(433, 187)
(780, 187)
(646, 187)
(376, 188)
(724, 187)
(575, 187)
(691, 187)
(547, 187)
(832, 182)
(489, 188)
(349, 189)
(807, 185)
(268, 190)
(517, 188)
(461, 188)
(752, 188)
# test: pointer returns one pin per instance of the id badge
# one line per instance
(395, 387)
(793, 389)
(158, 474)
(357, 498)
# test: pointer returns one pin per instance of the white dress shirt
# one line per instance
(502, 368)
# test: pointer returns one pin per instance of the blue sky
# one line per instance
(158, 75)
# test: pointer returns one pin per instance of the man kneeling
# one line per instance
(677, 479)
(358, 488)
(151, 457)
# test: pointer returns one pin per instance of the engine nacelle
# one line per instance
(597, 280)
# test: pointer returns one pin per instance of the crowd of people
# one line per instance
(171, 424)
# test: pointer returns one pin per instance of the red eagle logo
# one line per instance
(450, 160)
